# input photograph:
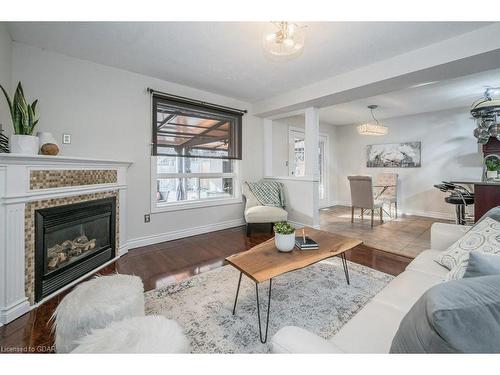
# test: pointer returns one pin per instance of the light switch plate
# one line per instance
(66, 138)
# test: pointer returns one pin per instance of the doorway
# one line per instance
(296, 161)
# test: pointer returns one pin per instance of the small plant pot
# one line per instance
(23, 144)
(284, 242)
(491, 174)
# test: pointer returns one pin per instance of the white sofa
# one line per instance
(372, 329)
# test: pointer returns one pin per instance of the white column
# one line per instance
(268, 147)
(311, 142)
(312, 158)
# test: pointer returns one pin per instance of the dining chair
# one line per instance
(387, 186)
(362, 197)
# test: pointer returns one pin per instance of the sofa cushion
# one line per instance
(482, 265)
(370, 331)
(406, 289)
(265, 214)
(459, 316)
(484, 237)
(425, 263)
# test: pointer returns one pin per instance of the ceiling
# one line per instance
(227, 57)
(431, 96)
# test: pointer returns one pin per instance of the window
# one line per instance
(194, 155)
(188, 130)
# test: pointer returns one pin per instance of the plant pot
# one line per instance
(491, 174)
(284, 242)
(24, 144)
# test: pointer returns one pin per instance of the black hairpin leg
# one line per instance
(263, 340)
(346, 270)
(237, 292)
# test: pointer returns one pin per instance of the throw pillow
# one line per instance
(481, 264)
(493, 213)
(484, 237)
(459, 316)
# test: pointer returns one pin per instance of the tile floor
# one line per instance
(406, 235)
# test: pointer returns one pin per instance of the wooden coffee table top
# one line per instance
(264, 261)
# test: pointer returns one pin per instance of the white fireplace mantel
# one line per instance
(16, 192)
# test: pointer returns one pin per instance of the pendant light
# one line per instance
(372, 128)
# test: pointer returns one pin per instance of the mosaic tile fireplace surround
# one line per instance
(32, 185)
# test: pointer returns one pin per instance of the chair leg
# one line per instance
(362, 212)
(396, 208)
(381, 216)
(248, 230)
(372, 219)
(352, 215)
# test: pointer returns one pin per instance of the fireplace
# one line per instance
(72, 240)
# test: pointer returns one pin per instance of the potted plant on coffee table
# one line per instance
(284, 238)
(24, 120)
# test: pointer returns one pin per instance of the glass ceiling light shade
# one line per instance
(283, 40)
(372, 128)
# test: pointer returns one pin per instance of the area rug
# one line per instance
(316, 298)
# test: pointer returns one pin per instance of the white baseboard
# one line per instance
(297, 224)
(14, 311)
(431, 214)
(174, 235)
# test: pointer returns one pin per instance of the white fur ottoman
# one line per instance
(147, 334)
(95, 304)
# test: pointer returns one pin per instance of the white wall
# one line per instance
(5, 75)
(449, 151)
(107, 112)
(280, 148)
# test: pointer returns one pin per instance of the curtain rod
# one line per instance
(194, 101)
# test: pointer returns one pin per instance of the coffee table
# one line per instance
(264, 262)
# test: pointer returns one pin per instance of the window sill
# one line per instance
(193, 205)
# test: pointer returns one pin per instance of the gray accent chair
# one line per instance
(256, 213)
(362, 197)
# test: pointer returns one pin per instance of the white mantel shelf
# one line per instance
(59, 159)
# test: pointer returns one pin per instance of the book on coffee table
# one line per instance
(306, 243)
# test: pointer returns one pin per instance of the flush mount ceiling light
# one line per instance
(371, 128)
(283, 40)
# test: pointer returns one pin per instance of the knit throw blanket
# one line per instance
(268, 193)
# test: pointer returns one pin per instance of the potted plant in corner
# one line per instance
(284, 238)
(24, 120)
(492, 166)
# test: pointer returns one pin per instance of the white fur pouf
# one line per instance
(95, 304)
(147, 334)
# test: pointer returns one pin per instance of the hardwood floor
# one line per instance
(168, 262)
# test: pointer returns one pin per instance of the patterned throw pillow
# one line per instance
(484, 237)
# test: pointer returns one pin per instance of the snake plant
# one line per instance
(24, 117)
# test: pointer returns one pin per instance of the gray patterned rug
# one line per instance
(316, 298)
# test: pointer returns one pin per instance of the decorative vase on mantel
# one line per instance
(24, 120)
(47, 142)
